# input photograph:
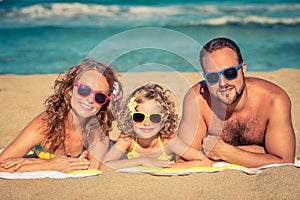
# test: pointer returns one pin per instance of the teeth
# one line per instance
(225, 90)
(86, 106)
(147, 129)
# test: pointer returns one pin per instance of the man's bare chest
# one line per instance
(238, 129)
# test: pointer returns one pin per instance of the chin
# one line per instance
(85, 113)
(146, 135)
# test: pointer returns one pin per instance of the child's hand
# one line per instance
(156, 163)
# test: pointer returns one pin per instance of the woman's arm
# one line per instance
(11, 159)
(96, 153)
(57, 163)
(29, 137)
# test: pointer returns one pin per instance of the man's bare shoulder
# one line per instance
(264, 87)
(267, 93)
(199, 90)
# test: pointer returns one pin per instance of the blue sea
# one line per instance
(49, 36)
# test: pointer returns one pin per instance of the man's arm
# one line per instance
(279, 140)
(280, 136)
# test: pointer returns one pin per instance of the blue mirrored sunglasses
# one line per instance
(229, 73)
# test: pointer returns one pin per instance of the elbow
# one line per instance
(289, 157)
(288, 160)
(105, 167)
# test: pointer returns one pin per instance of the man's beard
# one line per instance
(234, 98)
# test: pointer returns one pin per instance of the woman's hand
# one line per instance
(67, 164)
(15, 163)
(57, 163)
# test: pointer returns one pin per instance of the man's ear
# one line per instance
(244, 68)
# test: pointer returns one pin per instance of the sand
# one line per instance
(22, 97)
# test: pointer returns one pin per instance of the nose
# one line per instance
(147, 121)
(222, 80)
(90, 98)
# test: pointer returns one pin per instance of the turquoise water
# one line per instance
(41, 37)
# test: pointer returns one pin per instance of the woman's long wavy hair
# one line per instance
(146, 93)
(58, 106)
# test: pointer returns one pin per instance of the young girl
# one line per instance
(148, 132)
(72, 134)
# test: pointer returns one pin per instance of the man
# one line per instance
(246, 121)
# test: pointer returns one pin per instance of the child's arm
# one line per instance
(195, 156)
(112, 160)
(183, 150)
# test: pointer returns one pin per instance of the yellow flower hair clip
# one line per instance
(132, 105)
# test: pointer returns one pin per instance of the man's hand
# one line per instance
(213, 147)
(252, 148)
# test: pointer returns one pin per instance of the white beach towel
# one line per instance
(159, 172)
(220, 166)
(48, 174)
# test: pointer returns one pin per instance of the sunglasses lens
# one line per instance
(138, 117)
(212, 77)
(100, 98)
(84, 91)
(155, 118)
(230, 73)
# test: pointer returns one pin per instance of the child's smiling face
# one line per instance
(147, 129)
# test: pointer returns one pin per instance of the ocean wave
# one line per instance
(77, 14)
(247, 20)
(67, 10)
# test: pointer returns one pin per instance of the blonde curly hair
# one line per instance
(141, 95)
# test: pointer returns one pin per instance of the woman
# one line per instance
(73, 130)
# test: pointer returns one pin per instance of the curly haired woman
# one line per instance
(72, 133)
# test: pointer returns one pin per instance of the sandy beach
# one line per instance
(22, 98)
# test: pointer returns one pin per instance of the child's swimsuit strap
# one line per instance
(164, 155)
(133, 153)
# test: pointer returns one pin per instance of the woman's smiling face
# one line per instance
(147, 129)
(86, 106)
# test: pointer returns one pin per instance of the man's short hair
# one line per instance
(217, 44)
